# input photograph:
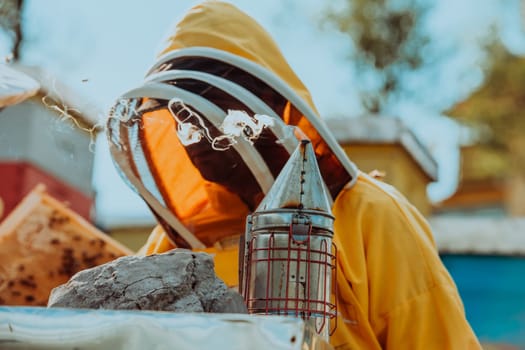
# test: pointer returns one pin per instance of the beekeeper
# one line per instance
(196, 143)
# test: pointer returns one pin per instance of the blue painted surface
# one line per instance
(493, 292)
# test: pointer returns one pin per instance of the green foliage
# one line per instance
(497, 108)
(388, 40)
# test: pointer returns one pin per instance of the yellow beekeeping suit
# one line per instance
(394, 292)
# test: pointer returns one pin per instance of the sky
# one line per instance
(102, 48)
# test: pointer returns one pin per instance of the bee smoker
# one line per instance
(289, 257)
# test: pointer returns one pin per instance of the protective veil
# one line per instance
(195, 142)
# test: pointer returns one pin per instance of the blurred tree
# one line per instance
(10, 21)
(389, 40)
(497, 111)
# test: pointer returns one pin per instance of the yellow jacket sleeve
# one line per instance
(225, 258)
(157, 243)
(394, 291)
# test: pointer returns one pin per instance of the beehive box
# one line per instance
(42, 244)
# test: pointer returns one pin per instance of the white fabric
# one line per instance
(43, 329)
(15, 86)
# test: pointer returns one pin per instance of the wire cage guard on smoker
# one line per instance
(289, 256)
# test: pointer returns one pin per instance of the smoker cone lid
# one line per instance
(299, 185)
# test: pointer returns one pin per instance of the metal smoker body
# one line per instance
(289, 257)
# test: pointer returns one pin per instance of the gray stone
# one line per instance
(179, 280)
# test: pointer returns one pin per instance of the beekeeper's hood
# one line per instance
(204, 137)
